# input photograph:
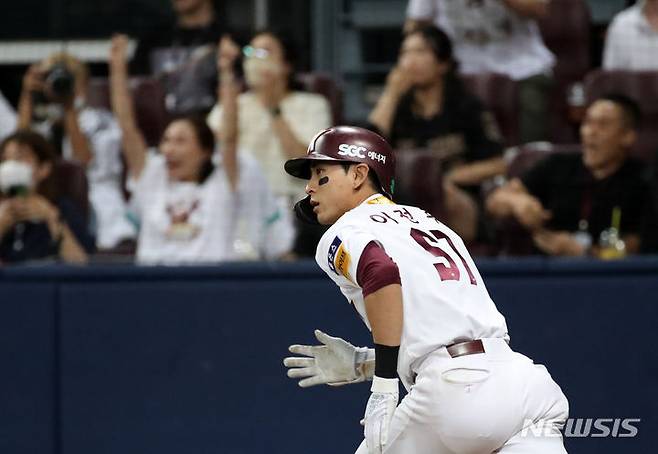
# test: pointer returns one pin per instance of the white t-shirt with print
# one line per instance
(444, 298)
(488, 36)
(306, 114)
(184, 222)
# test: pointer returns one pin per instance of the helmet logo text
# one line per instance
(352, 151)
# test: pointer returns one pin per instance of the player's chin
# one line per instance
(325, 218)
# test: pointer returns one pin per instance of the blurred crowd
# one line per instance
(177, 156)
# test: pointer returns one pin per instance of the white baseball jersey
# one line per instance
(443, 295)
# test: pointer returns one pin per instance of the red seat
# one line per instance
(149, 102)
(566, 32)
(419, 180)
(325, 85)
(524, 157)
(642, 87)
(500, 95)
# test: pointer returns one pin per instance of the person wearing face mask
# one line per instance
(271, 120)
(424, 105)
(35, 221)
(193, 205)
(52, 102)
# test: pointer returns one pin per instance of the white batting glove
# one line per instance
(379, 412)
(335, 362)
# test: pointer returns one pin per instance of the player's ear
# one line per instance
(360, 175)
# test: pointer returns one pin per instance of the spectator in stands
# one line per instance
(273, 120)
(194, 205)
(52, 101)
(567, 201)
(7, 118)
(632, 39)
(36, 222)
(425, 105)
(498, 36)
(182, 54)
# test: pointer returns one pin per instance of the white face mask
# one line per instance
(16, 178)
(256, 64)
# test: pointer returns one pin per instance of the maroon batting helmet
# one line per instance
(345, 144)
(349, 144)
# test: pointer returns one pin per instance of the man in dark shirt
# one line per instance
(568, 200)
(182, 54)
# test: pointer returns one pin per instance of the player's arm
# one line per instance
(379, 277)
(384, 309)
(336, 361)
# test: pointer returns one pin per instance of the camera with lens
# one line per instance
(60, 81)
(59, 84)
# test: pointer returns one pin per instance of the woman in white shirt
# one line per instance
(192, 206)
(272, 120)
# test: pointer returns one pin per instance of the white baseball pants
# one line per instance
(479, 404)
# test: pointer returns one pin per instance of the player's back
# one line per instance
(444, 297)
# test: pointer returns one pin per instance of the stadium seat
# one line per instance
(325, 85)
(419, 180)
(72, 182)
(642, 87)
(566, 32)
(522, 158)
(149, 101)
(499, 94)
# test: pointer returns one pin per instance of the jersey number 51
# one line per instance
(430, 242)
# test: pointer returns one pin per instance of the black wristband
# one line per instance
(386, 361)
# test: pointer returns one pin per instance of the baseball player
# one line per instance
(433, 323)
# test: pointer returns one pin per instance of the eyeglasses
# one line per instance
(255, 52)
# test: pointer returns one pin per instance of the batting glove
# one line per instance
(379, 412)
(336, 362)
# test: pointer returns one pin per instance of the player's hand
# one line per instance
(335, 362)
(379, 412)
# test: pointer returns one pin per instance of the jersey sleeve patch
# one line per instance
(338, 258)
